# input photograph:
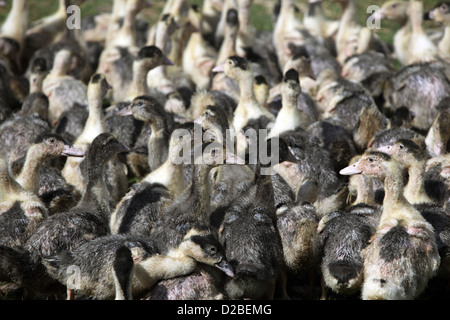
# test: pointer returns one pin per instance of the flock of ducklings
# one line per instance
(95, 204)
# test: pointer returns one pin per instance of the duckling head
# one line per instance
(204, 247)
(52, 145)
(150, 57)
(98, 85)
(440, 13)
(104, 147)
(372, 163)
(405, 151)
(144, 108)
(234, 67)
(395, 10)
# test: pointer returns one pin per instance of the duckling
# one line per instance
(317, 23)
(94, 125)
(148, 58)
(62, 89)
(290, 117)
(140, 208)
(419, 87)
(89, 218)
(402, 255)
(336, 139)
(147, 109)
(414, 158)
(351, 37)
(255, 254)
(45, 30)
(36, 101)
(438, 135)
(203, 283)
(331, 193)
(288, 28)
(194, 245)
(343, 235)
(18, 132)
(13, 32)
(440, 13)
(248, 108)
(199, 57)
(37, 174)
(101, 278)
(372, 69)
(21, 210)
(396, 10)
(297, 225)
(421, 48)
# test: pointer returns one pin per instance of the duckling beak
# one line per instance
(231, 158)
(167, 62)
(71, 151)
(127, 111)
(225, 267)
(219, 68)
(351, 170)
(123, 148)
(290, 157)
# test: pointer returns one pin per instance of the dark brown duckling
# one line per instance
(148, 110)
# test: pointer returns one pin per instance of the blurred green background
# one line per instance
(261, 11)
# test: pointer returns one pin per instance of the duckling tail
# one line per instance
(344, 271)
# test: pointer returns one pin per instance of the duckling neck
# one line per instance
(95, 123)
(16, 22)
(157, 144)
(395, 205)
(29, 176)
(200, 190)
(365, 192)
(247, 99)
(8, 186)
(349, 14)
(415, 188)
(96, 193)
(444, 44)
(139, 82)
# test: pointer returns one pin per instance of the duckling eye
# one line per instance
(51, 140)
(370, 159)
(212, 250)
(401, 146)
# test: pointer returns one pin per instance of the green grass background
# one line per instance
(261, 11)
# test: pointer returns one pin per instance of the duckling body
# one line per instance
(21, 210)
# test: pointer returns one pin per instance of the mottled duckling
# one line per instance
(414, 159)
(402, 255)
(343, 235)
(100, 278)
(147, 109)
(248, 108)
(89, 218)
(438, 136)
(21, 211)
(297, 225)
(63, 89)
